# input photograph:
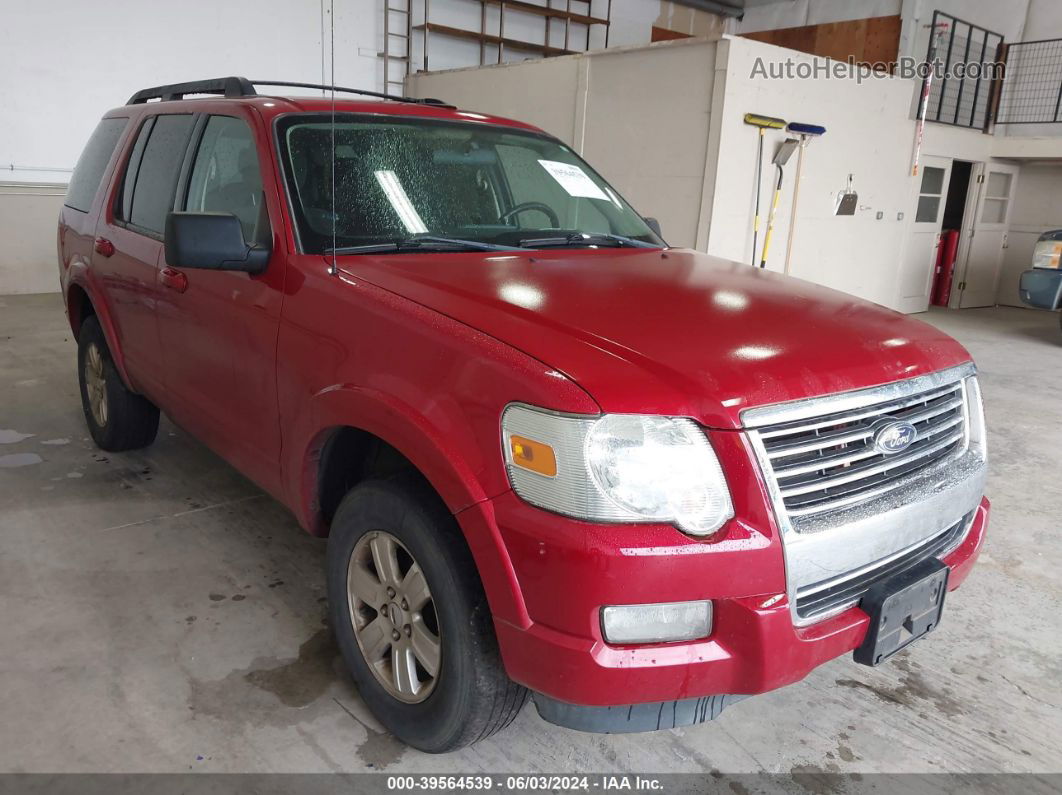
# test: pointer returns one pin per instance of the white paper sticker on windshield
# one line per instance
(573, 179)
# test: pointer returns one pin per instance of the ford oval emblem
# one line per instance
(894, 437)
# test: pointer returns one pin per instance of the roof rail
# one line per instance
(362, 91)
(242, 87)
(229, 86)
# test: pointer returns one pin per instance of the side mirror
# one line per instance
(211, 241)
(653, 224)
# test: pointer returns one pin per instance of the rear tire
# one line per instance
(469, 697)
(118, 419)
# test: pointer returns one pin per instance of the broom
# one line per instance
(764, 123)
(781, 157)
(805, 131)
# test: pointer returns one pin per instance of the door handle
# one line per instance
(103, 247)
(174, 279)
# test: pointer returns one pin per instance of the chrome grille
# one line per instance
(835, 594)
(829, 461)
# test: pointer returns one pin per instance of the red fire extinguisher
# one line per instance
(947, 248)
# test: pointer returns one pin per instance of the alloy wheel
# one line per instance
(394, 618)
(96, 384)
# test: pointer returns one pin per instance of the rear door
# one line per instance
(132, 224)
(980, 277)
(219, 328)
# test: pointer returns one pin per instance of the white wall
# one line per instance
(867, 135)
(27, 227)
(67, 62)
(74, 60)
(60, 78)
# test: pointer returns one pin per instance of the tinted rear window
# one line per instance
(88, 172)
(156, 180)
(129, 180)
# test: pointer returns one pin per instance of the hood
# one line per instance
(674, 332)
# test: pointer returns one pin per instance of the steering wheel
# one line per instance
(545, 209)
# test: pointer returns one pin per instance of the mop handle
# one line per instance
(796, 195)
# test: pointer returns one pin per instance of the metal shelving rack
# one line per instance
(398, 44)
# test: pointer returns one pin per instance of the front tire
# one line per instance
(117, 418)
(412, 621)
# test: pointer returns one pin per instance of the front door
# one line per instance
(219, 328)
(920, 252)
(980, 275)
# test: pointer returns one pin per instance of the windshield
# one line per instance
(418, 185)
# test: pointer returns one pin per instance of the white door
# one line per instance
(979, 277)
(920, 252)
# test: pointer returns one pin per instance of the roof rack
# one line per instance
(242, 87)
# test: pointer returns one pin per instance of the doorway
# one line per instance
(951, 233)
(955, 204)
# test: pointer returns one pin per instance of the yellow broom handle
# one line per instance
(770, 227)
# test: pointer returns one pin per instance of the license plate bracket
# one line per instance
(902, 609)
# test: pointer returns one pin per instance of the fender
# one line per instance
(80, 275)
(425, 445)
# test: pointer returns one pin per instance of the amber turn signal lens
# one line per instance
(532, 455)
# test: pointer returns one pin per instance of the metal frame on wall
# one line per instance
(1031, 91)
(578, 13)
(962, 101)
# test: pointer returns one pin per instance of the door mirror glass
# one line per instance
(211, 241)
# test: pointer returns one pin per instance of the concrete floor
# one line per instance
(160, 614)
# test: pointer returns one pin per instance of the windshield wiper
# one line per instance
(584, 239)
(422, 243)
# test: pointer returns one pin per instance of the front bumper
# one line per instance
(1041, 288)
(567, 569)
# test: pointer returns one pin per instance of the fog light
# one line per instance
(659, 623)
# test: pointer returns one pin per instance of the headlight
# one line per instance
(616, 468)
(1048, 253)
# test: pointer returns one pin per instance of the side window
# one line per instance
(88, 172)
(226, 177)
(156, 180)
(131, 168)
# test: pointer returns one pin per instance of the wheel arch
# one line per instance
(83, 300)
(388, 438)
(78, 307)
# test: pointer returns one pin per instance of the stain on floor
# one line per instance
(260, 692)
(19, 460)
(380, 749)
(9, 436)
(303, 680)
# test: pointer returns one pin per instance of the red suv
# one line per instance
(551, 455)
